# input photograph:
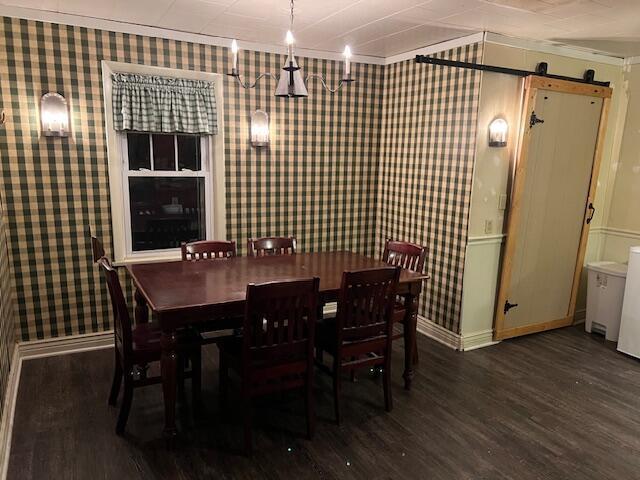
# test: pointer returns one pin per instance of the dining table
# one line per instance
(197, 293)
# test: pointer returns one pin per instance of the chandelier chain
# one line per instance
(291, 16)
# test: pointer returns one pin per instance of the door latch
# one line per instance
(508, 306)
(593, 212)
(534, 119)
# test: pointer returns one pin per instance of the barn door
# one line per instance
(548, 223)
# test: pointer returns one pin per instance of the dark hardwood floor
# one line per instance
(556, 405)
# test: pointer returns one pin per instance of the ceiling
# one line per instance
(379, 28)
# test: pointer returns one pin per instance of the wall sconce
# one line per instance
(260, 129)
(498, 130)
(54, 115)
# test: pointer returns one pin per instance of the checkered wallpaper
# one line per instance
(426, 166)
(318, 180)
(7, 318)
(389, 156)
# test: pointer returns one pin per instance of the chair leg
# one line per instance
(415, 352)
(117, 380)
(353, 371)
(386, 385)
(196, 377)
(223, 378)
(127, 398)
(247, 414)
(336, 390)
(311, 415)
(180, 363)
(319, 355)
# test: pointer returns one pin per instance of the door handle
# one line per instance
(593, 212)
(508, 306)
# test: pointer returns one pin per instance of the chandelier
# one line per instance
(290, 81)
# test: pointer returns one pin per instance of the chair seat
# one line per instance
(146, 340)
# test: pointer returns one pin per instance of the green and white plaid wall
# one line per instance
(317, 181)
(398, 142)
(426, 167)
(7, 317)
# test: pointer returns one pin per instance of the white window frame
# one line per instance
(212, 156)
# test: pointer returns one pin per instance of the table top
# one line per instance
(171, 286)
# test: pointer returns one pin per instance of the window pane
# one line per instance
(188, 152)
(138, 148)
(166, 211)
(164, 152)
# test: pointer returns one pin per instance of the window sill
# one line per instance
(173, 257)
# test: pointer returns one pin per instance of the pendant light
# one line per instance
(290, 81)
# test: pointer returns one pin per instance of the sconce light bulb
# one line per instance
(347, 52)
(234, 46)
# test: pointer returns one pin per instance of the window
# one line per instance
(164, 188)
(167, 191)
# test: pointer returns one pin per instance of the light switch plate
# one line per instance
(502, 202)
(488, 226)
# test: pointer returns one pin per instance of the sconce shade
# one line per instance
(285, 87)
(498, 130)
(54, 115)
(260, 129)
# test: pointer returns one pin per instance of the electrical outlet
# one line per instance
(488, 226)
(502, 201)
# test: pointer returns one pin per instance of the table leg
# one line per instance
(410, 332)
(168, 370)
(141, 313)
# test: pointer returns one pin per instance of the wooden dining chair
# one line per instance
(275, 351)
(208, 250)
(97, 250)
(140, 345)
(361, 333)
(410, 257)
(262, 247)
(205, 250)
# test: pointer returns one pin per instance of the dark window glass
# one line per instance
(166, 211)
(164, 152)
(138, 148)
(188, 152)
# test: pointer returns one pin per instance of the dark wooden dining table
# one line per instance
(189, 293)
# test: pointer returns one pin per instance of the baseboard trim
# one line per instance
(63, 345)
(476, 340)
(8, 411)
(439, 333)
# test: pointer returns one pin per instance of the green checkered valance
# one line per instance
(161, 104)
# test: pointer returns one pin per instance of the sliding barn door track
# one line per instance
(541, 70)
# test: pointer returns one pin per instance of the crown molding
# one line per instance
(552, 48)
(136, 29)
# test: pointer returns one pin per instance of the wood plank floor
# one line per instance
(557, 405)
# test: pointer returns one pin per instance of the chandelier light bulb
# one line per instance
(347, 62)
(289, 38)
(234, 51)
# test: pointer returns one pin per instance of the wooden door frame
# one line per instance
(533, 84)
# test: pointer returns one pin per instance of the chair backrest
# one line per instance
(404, 254)
(97, 249)
(261, 247)
(365, 307)
(279, 323)
(122, 320)
(206, 250)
